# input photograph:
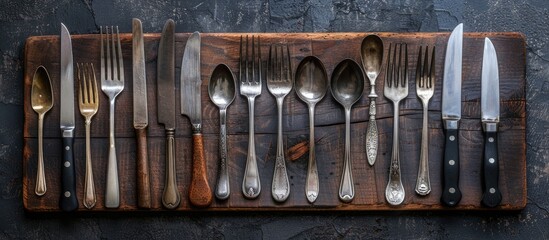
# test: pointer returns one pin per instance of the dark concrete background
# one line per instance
(24, 18)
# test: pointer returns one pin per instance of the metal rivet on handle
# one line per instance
(492, 190)
(491, 139)
(67, 148)
(452, 138)
(451, 162)
(491, 160)
(67, 164)
(452, 190)
(67, 194)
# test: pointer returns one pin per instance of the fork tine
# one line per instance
(259, 61)
(89, 71)
(270, 65)
(388, 69)
(79, 77)
(102, 54)
(84, 83)
(108, 51)
(405, 68)
(247, 77)
(288, 65)
(425, 74)
(120, 62)
(114, 59)
(281, 63)
(95, 91)
(253, 58)
(419, 83)
(432, 69)
(240, 60)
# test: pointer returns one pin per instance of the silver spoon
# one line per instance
(42, 102)
(222, 91)
(372, 56)
(347, 87)
(311, 84)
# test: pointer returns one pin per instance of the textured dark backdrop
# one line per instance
(24, 18)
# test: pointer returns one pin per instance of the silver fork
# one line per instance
(250, 87)
(112, 83)
(279, 83)
(425, 77)
(396, 89)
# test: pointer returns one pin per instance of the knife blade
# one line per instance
(140, 115)
(200, 194)
(451, 114)
(166, 109)
(68, 200)
(489, 105)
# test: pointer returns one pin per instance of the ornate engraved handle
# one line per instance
(372, 135)
(281, 185)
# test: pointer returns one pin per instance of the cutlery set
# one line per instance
(311, 84)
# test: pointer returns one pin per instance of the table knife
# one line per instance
(166, 109)
(200, 194)
(451, 114)
(140, 116)
(68, 201)
(489, 105)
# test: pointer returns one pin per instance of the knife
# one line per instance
(140, 116)
(166, 109)
(489, 105)
(67, 201)
(200, 194)
(451, 114)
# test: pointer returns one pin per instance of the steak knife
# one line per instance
(489, 105)
(140, 115)
(200, 194)
(451, 114)
(166, 110)
(68, 201)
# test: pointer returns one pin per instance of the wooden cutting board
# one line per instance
(330, 48)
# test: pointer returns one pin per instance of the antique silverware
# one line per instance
(140, 115)
(425, 87)
(279, 83)
(68, 200)
(451, 114)
(165, 77)
(200, 194)
(396, 89)
(311, 84)
(112, 84)
(372, 57)
(88, 102)
(347, 87)
(489, 103)
(222, 91)
(41, 102)
(250, 87)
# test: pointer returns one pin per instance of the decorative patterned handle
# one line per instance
(346, 186)
(281, 185)
(223, 187)
(89, 187)
(251, 185)
(170, 196)
(200, 193)
(372, 135)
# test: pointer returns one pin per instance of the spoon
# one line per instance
(42, 102)
(222, 91)
(347, 87)
(311, 84)
(372, 56)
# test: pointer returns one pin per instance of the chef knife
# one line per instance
(68, 201)
(489, 105)
(140, 115)
(200, 194)
(166, 109)
(451, 114)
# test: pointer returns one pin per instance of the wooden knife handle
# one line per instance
(451, 195)
(491, 196)
(68, 201)
(143, 174)
(200, 194)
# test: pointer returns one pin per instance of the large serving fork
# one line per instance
(88, 102)
(250, 87)
(425, 87)
(112, 83)
(279, 83)
(396, 89)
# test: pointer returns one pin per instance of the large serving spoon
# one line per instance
(42, 102)
(311, 84)
(372, 56)
(222, 91)
(347, 87)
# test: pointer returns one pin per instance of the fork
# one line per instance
(279, 83)
(112, 83)
(88, 102)
(396, 89)
(425, 77)
(250, 87)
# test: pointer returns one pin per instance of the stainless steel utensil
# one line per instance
(279, 83)
(396, 89)
(311, 84)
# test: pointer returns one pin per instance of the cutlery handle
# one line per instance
(40, 189)
(394, 192)
(251, 185)
(451, 195)
(89, 188)
(371, 134)
(200, 194)
(491, 196)
(312, 187)
(112, 193)
(223, 188)
(143, 175)
(170, 196)
(346, 186)
(281, 185)
(68, 201)
(423, 182)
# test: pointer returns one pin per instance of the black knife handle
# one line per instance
(451, 195)
(68, 201)
(491, 196)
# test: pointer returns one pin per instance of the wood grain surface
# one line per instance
(330, 48)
